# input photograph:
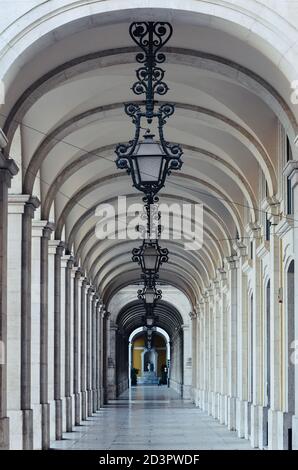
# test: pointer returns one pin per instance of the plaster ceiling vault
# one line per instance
(64, 102)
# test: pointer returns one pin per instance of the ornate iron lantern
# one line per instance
(149, 161)
(150, 256)
(149, 294)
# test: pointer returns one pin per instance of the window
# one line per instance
(251, 250)
(268, 225)
(289, 187)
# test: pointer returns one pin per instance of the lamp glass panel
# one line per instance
(149, 158)
(150, 258)
(149, 296)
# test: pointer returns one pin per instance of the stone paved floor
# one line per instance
(149, 418)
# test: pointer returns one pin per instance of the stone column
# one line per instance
(232, 343)
(187, 361)
(291, 171)
(90, 294)
(242, 345)
(223, 348)
(105, 356)
(193, 318)
(8, 169)
(94, 353)
(111, 372)
(206, 353)
(211, 351)
(276, 418)
(83, 350)
(64, 399)
(44, 337)
(98, 352)
(68, 337)
(217, 340)
(27, 217)
(198, 356)
(102, 357)
(52, 248)
(76, 346)
(57, 247)
(37, 233)
(202, 354)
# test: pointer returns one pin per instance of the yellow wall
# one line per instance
(139, 342)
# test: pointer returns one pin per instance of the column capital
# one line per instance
(222, 274)
(48, 229)
(66, 261)
(240, 248)
(254, 230)
(205, 297)
(8, 168)
(90, 290)
(38, 227)
(56, 247)
(31, 205)
(291, 172)
(70, 261)
(210, 291)
(192, 315)
(77, 273)
(216, 287)
(232, 262)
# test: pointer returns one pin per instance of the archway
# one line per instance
(290, 294)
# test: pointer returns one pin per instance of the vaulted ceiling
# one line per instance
(65, 106)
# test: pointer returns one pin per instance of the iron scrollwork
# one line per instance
(150, 37)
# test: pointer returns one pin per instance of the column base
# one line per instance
(223, 413)
(196, 397)
(204, 400)
(37, 426)
(254, 434)
(89, 402)
(214, 405)
(279, 426)
(263, 427)
(27, 429)
(58, 419)
(210, 402)
(101, 397)
(201, 399)
(94, 401)
(77, 410)
(247, 420)
(111, 392)
(98, 400)
(84, 405)
(45, 426)
(217, 405)
(231, 413)
(295, 432)
(240, 417)
(4, 433)
(63, 399)
(68, 413)
(15, 429)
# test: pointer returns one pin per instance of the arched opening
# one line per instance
(267, 360)
(290, 297)
(149, 365)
